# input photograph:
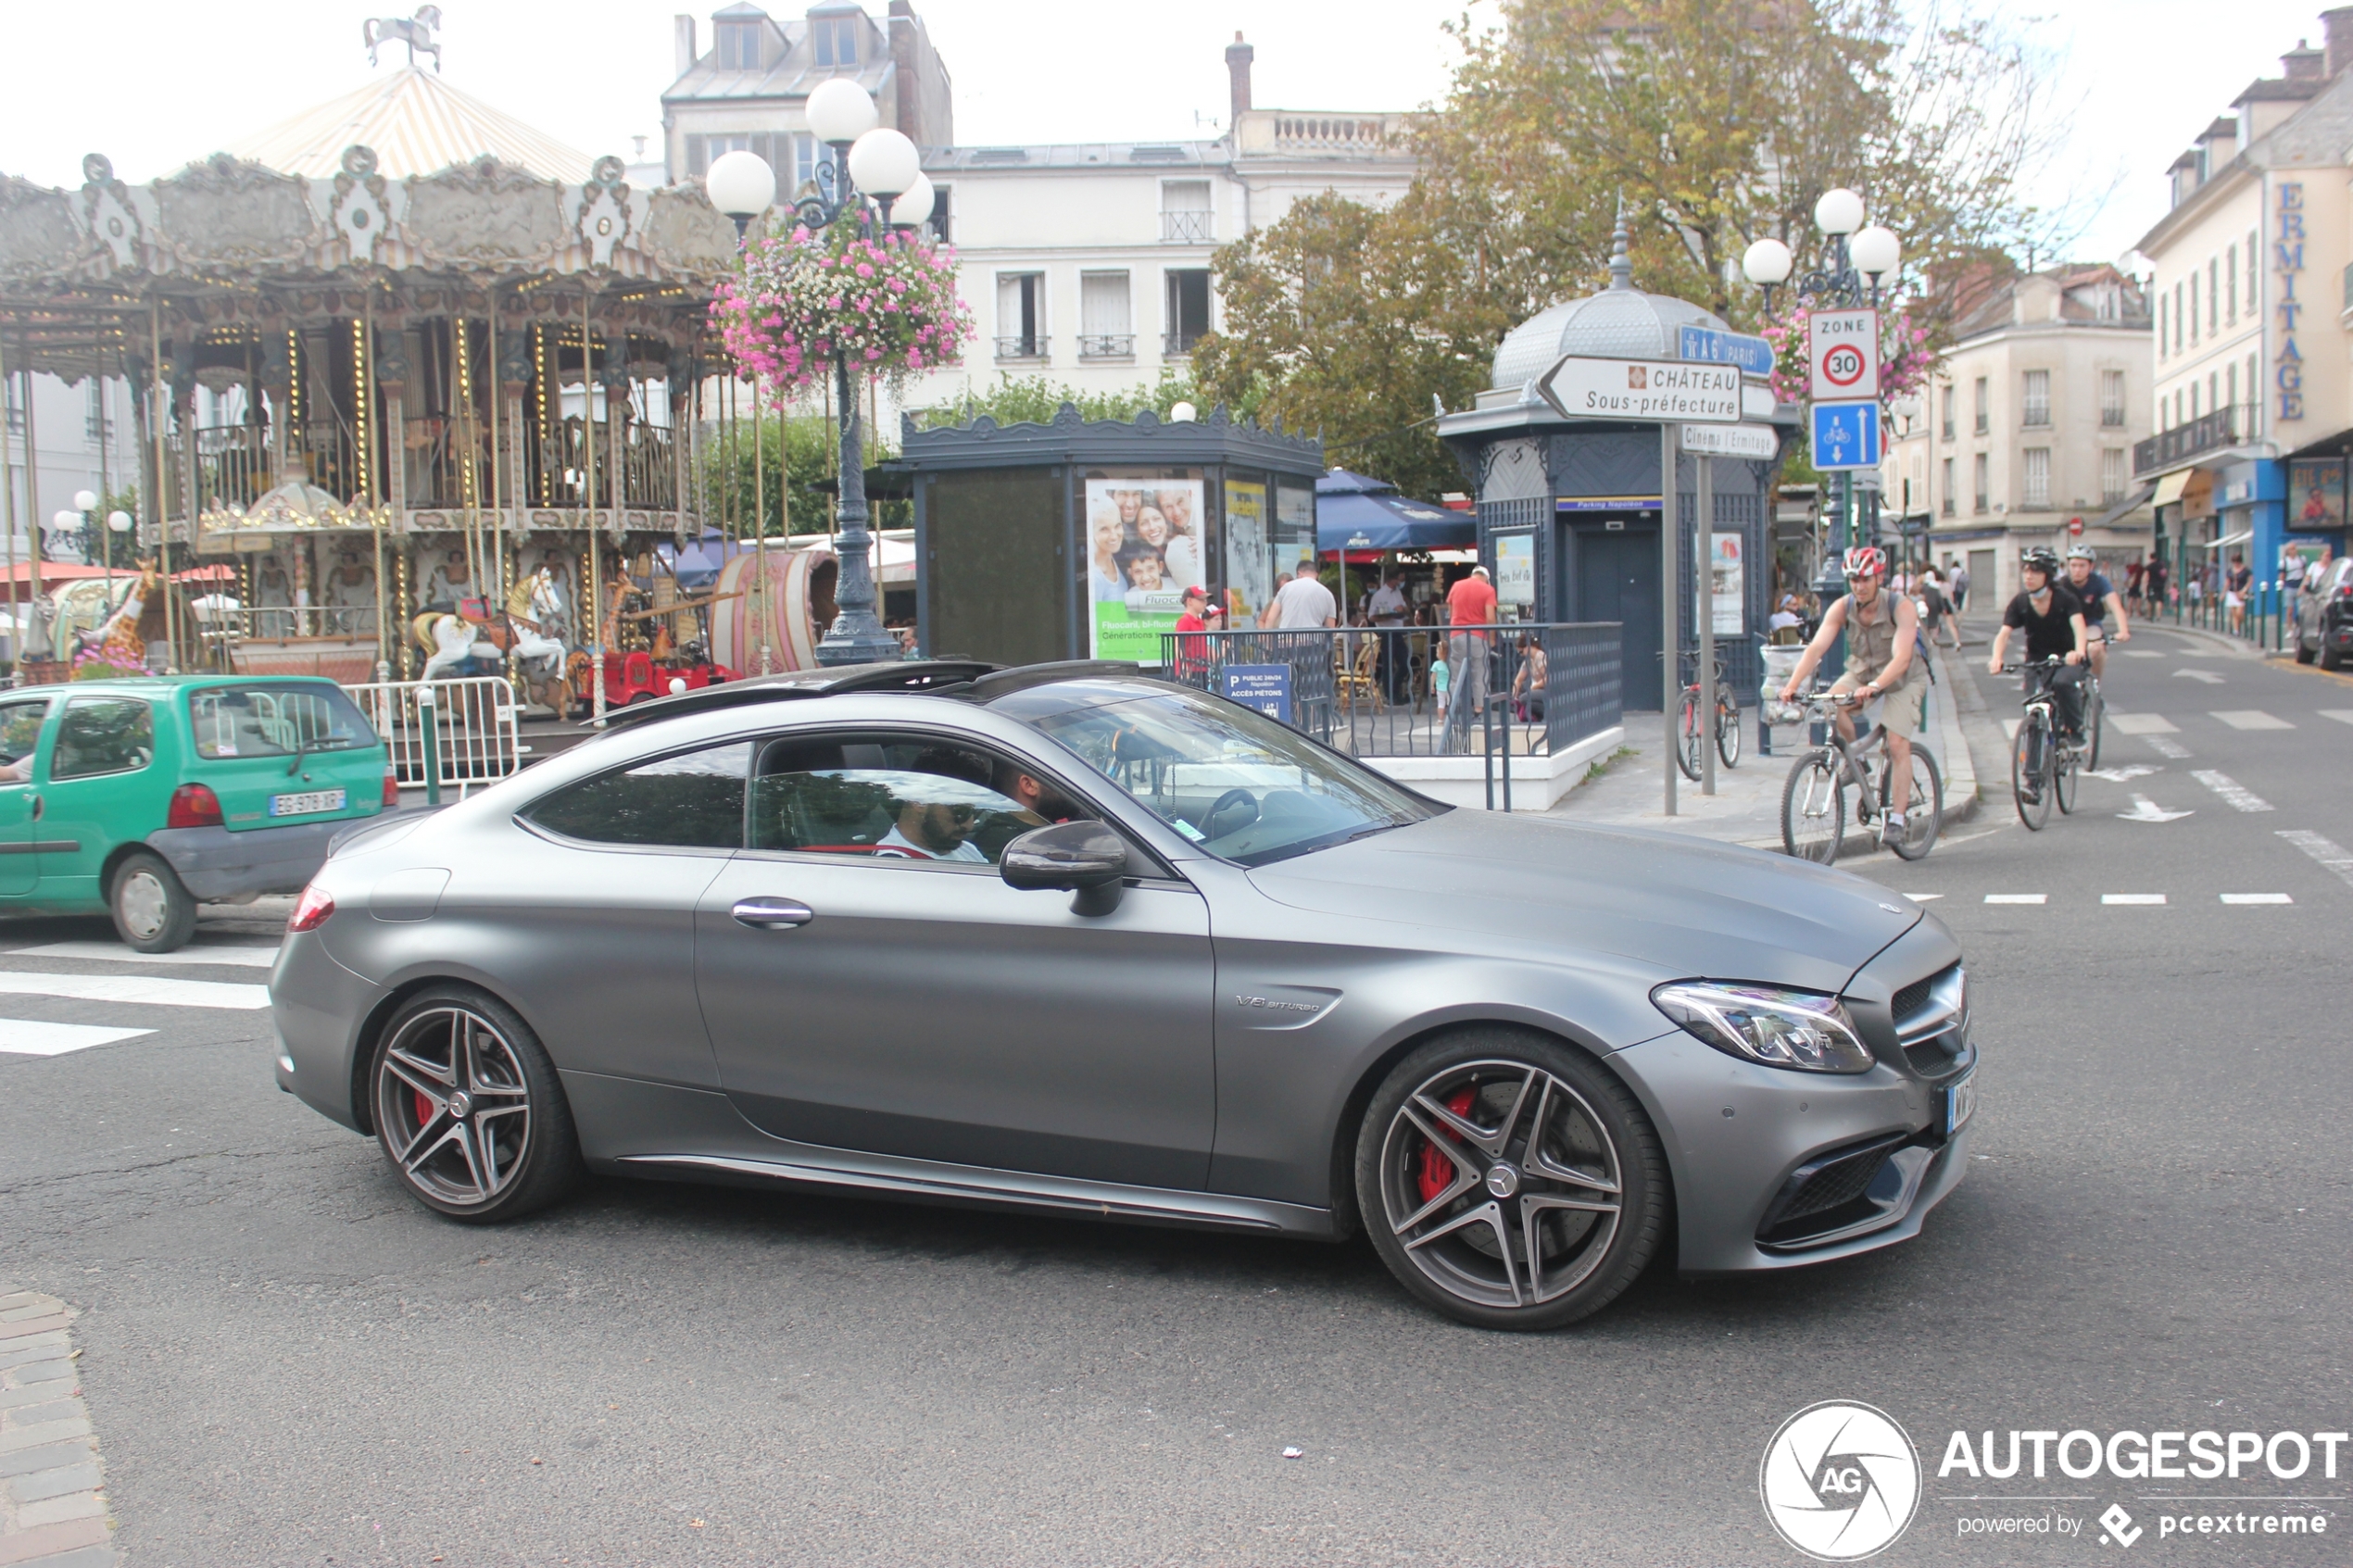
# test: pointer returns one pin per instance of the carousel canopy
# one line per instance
(417, 124)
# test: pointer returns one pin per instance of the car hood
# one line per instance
(1675, 906)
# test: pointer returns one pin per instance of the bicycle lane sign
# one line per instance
(1846, 435)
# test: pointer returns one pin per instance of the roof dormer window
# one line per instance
(834, 40)
(740, 46)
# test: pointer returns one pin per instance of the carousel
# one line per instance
(421, 394)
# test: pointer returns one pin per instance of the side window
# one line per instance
(103, 735)
(897, 797)
(20, 733)
(691, 801)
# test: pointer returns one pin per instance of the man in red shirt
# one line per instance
(1192, 653)
(1470, 602)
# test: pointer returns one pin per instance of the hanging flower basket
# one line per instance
(1905, 358)
(798, 300)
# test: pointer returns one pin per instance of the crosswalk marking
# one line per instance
(2128, 899)
(2238, 796)
(2168, 747)
(243, 956)
(2257, 898)
(2330, 855)
(2341, 715)
(2017, 897)
(152, 989)
(25, 1037)
(2131, 897)
(2142, 723)
(2139, 653)
(2250, 719)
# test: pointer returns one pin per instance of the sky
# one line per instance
(169, 84)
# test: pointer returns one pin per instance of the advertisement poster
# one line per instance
(1727, 584)
(1144, 551)
(1516, 569)
(1249, 561)
(2316, 493)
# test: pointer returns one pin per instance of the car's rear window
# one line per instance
(263, 719)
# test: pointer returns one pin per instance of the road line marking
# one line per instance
(25, 1037)
(2250, 719)
(2333, 856)
(151, 989)
(2139, 653)
(2207, 676)
(2142, 723)
(2168, 747)
(2123, 775)
(2146, 810)
(2341, 715)
(2238, 796)
(245, 957)
(2131, 897)
(2009, 729)
(2257, 898)
(2017, 897)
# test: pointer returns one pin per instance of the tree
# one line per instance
(731, 463)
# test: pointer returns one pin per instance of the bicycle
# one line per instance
(1814, 804)
(1689, 742)
(2044, 764)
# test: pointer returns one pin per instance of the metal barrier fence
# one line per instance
(1529, 690)
(474, 726)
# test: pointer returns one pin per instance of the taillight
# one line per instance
(192, 806)
(312, 908)
(392, 788)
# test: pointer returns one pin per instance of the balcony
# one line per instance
(1176, 345)
(1105, 345)
(2208, 432)
(1015, 348)
(1185, 228)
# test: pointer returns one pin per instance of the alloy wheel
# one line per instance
(1501, 1184)
(453, 1107)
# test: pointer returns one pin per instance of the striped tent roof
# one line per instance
(417, 124)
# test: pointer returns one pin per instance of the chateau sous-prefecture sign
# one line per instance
(1652, 390)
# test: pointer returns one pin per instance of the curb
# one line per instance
(53, 1505)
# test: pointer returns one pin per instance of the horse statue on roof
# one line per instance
(415, 31)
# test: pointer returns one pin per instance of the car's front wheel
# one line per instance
(153, 911)
(1509, 1181)
(468, 1110)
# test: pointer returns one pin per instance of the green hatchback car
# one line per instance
(145, 798)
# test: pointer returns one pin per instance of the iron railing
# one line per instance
(1532, 690)
(1185, 228)
(1023, 347)
(472, 720)
(1181, 342)
(1107, 345)
(2208, 433)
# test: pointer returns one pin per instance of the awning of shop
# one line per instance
(2131, 503)
(2169, 487)
(1355, 512)
(2238, 538)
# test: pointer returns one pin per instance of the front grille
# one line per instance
(1911, 998)
(1826, 1193)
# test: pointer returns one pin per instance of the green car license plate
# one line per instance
(1960, 1104)
(306, 803)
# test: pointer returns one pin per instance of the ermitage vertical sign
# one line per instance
(2287, 255)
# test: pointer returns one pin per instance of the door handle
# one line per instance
(772, 914)
(36, 807)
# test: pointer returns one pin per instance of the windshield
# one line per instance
(1238, 784)
(266, 720)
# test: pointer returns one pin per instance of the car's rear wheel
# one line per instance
(153, 911)
(1509, 1181)
(468, 1110)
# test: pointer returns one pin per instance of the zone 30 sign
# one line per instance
(1845, 356)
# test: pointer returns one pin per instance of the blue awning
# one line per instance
(1355, 512)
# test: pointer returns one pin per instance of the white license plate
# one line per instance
(1960, 1104)
(305, 803)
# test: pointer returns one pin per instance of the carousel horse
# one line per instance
(415, 31)
(531, 609)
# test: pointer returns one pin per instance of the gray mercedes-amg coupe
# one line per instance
(1074, 938)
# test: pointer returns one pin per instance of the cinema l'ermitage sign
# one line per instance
(1655, 390)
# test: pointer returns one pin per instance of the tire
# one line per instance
(1688, 739)
(2065, 774)
(1924, 809)
(2303, 653)
(1814, 807)
(2095, 724)
(513, 1122)
(2326, 656)
(2029, 765)
(1456, 1204)
(152, 911)
(1728, 734)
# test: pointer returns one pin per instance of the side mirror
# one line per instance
(1086, 858)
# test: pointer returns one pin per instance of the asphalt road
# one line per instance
(289, 1362)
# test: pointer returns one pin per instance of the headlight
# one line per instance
(1804, 1030)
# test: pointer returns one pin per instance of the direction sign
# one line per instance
(1845, 355)
(1753, 355)
(1732, 441)
(1655, 391)
(1756, 403)
(1846, 435)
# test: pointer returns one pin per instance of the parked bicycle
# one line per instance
(2043, 762)
(1689, 739)
(1814, 800)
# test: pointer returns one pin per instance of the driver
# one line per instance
(1882, 677)
(934, 828)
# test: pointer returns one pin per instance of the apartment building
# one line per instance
(2026, 435)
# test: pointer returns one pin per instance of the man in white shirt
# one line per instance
(1386, 609)
(1300, 604)
(932, 830)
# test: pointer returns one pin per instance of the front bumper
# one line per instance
(214, 863)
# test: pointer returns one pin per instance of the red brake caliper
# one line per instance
(424, 1109)
(1438, 1171)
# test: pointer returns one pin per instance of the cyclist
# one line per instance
(2052, 617)
(1885, 675)
(2098, 595)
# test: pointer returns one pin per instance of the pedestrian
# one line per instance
(1300, 604)
(1387, 607)
(2153, 585)
(1470, 604)
(1960, 588)
(1193, 652)
(2235, 587)
(1936, 610)
(2132, 585)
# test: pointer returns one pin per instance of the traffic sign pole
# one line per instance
(1670, 637)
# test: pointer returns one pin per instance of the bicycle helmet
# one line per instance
(1865, 560)
(2042, 560)
(2082, 552)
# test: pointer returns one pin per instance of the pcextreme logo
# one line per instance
(1841, 1481)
